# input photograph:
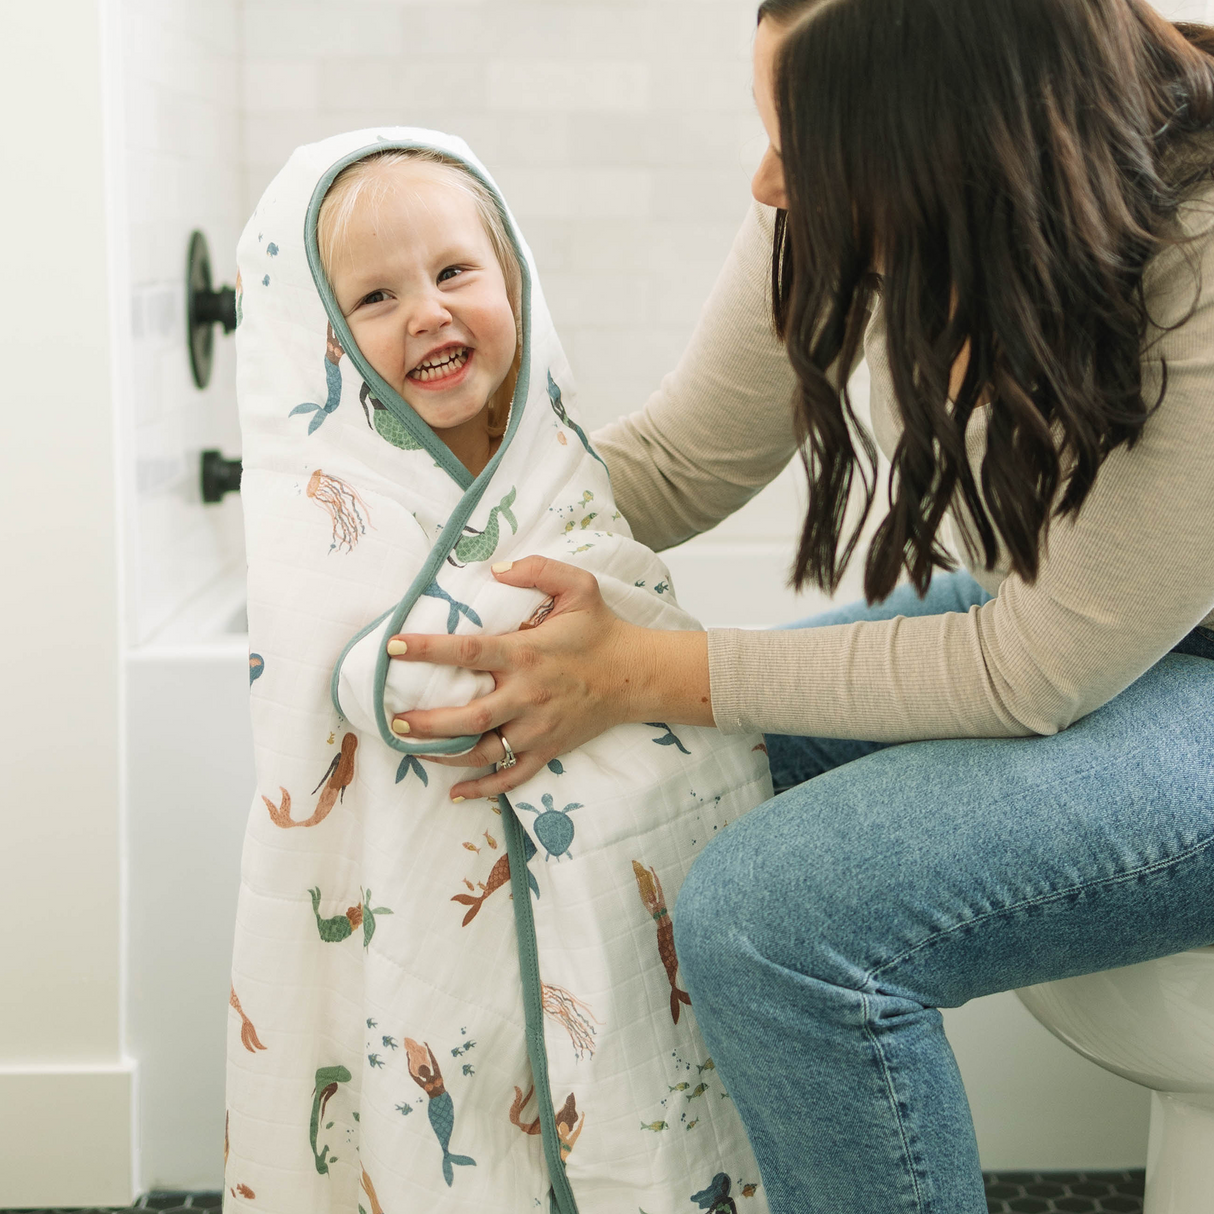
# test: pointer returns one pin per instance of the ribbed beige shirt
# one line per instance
(1117, 588)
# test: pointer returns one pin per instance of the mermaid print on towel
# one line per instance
(456, 609)
(568, 1127)
(336, 780)
(480, 545)
(384, 422)
(715, 1198)
(558, 407)
(341, 927)
(440, 1107)
(327, 1080)
(333, 356)
(248, 1034)
(650, 889)
(499, 875)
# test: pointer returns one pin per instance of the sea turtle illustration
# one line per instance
(553, 827)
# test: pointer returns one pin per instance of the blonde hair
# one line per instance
(366, 179)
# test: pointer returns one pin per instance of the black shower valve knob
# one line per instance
(219, 476)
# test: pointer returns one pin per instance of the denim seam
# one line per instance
(1102, 882)
(903, 1134)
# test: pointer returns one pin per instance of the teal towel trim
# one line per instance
(560, 1198)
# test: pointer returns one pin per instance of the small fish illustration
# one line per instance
(556, 767)
(715, 1199)
(661, 587)
(698, 1090)
(558, 407)
(404, 1109)
(678, 1087)
(473, 847)
(390, 1043)
(333, 356)
(490, 840)
(749, 1190)
(423, 1067)
(708, 1065)
(480, 545)
(332, 738)
(653, 1125)
(499, 875)
(375, 1060)
(248, 1034)
(243, 1190)
(456, 609)
(588, 520)
(650, 889)
(327, 1080)
(668, 738)
(691, 1125)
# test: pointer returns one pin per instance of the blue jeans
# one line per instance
(819, 934)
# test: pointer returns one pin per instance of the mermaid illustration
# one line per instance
(333, 356)
(558, 407)
(650, 889)
(327, 1080)
(423, 1067)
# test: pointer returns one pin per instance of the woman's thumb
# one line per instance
(550, 577)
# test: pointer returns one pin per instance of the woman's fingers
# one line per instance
(499, 781)
(553, 578)
(470, 652)
(478, 717)
(488, 751)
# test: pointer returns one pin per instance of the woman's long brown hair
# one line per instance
(1010, 166)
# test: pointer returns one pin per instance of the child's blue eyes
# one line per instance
(444, 275)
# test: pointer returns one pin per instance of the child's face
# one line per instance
(424, 296)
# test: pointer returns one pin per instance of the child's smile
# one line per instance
(425, 298)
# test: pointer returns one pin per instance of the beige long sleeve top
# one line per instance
(1117, 587)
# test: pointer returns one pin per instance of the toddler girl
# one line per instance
(441, 1007)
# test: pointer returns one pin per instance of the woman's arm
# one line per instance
(720, 427)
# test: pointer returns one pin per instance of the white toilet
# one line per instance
(1153, 1023)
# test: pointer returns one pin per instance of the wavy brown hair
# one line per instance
(1012, 166)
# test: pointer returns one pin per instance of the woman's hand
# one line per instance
(579, 672)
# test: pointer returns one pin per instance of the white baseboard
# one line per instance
(67, 1135)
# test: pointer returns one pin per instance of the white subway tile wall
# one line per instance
(179, 147)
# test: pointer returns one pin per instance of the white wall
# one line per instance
(178, 155)
(65, 1088)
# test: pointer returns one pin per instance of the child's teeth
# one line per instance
(434, 368)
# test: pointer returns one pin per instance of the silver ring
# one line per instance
(511, 759)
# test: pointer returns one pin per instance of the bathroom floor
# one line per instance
(1069, 1192)
(1006, 1193)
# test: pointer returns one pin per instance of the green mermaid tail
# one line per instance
(481, 545)
(442, 1122)
(327, 1079)
(455, 608)
(332, 931)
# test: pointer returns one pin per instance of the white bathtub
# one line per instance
(189, 762)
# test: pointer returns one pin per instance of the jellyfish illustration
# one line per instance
(573, 1016)
(347, 510)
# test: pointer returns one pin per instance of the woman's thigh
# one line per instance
(796, 759)
(943, 870)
